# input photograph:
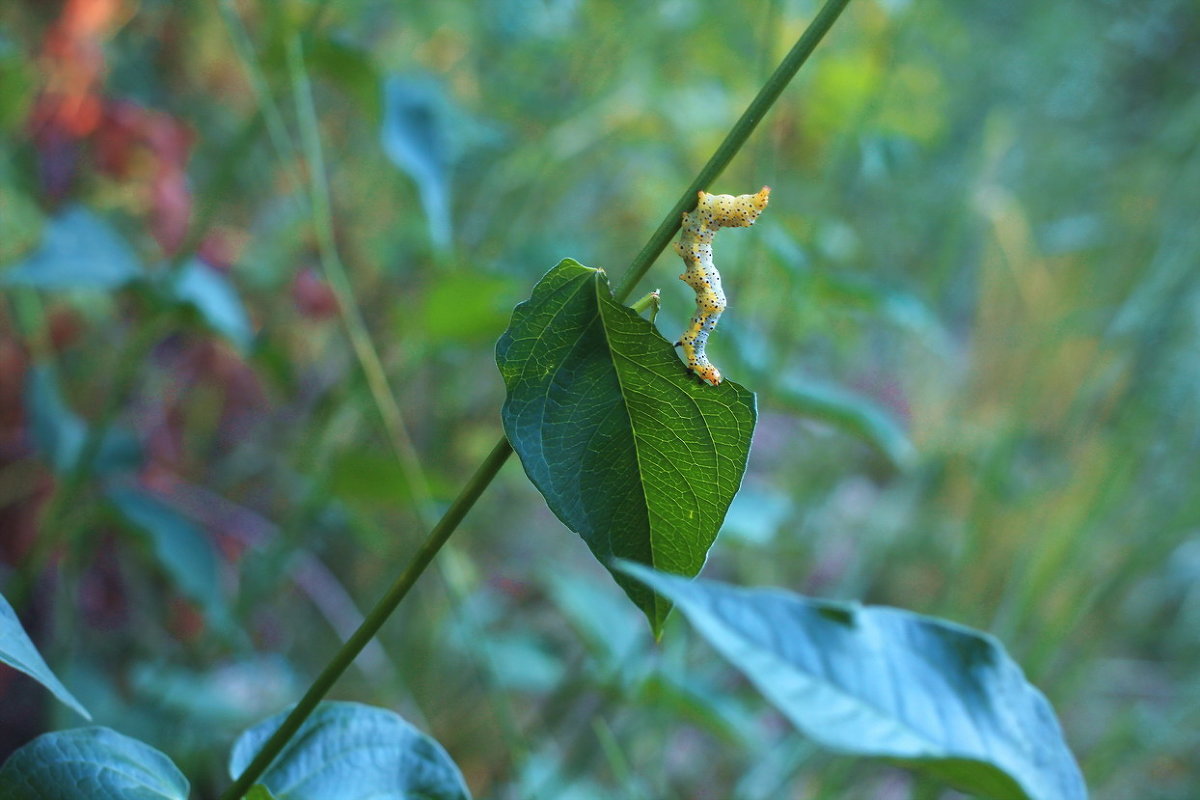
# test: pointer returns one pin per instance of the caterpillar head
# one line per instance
(759, 200)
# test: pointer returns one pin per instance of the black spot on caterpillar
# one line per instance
(713, 212)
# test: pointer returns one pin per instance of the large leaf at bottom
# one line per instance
(17, 650)
(879, 681)
(630, 450)
(350, 751)
(90, 764)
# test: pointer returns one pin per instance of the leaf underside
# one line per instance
(878, 681)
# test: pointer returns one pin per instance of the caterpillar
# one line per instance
(713, 212)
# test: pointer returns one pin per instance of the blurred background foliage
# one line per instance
(971, 315)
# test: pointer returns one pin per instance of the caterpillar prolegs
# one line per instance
(713, 212)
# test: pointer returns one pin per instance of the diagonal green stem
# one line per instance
(374, 620)
(734, 140)
(495, 460)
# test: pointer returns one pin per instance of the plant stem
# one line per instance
(352, 317)
(736, 137)
(495, 460)
(374, 620)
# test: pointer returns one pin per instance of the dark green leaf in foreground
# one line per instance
(630, 450)
(879, 681)
(17, 650)
(350, 751)
(90, 764)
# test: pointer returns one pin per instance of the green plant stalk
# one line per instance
(403, 448)
(736, 137)
(499, 455)
(228, 164)
(339, 282)
(373, 622)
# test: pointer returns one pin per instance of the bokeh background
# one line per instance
(254, 258)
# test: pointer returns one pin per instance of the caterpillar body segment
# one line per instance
(695, 247)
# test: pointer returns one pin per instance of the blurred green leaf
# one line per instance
(18, 651)
(216, 300)
(79, 250)
(229, 695)
(60, 433)
(259, 792)
(21, 222)
(184, 551)
(714, 711)
(466, 307)
(850, 412)
(366, 477)
(90, 764)
(878, 681)
(519, 662)
(629, 449)
(350, 751)
(600, 618)
(416, 137)
(19, 79)
(351, 69)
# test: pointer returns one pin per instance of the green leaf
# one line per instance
(78, 251)
(216, 300)
(851, 412)
(416, 137)
(351, 69)
(90, 764)
(877, 681)
(630, 450)
(20, 218)
(350, 751)
(465, 307)
(18, 651)
(259, 792)
(184, 550)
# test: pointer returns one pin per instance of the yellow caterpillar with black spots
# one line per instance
(695, 246)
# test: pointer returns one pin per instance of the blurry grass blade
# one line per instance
(185, 551)
(78, 251)
(629, 449)
(18, 651)
(216, 300)
(697, 703)
(90, 764)
(878, 681)
(416, 137)
(850, 412)
(350, 751)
